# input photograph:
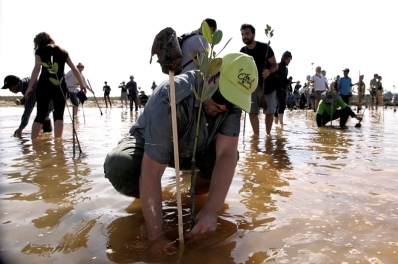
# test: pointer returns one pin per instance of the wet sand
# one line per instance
(303, 195)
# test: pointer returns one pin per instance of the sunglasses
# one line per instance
(80, 66)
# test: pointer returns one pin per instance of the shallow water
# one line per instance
(303, 195)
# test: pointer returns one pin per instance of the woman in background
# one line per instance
(46, 51)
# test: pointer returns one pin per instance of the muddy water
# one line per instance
(304, 195)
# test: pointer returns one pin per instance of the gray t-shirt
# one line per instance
(193, 46)
(154, 124)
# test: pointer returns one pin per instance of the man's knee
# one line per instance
(122, 166)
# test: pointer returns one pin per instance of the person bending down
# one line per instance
(327, 109)
(135, 167)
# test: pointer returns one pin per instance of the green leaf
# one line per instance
(217, 37)
(210, 91)
(224, 46)
(55, 67)
(207, 32)
(193, 59)
(214, 67)
(204, 62)
(54, 81)
(45, 64)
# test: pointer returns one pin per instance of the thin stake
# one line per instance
(84, 116)
(244, 127)
(94, 96)
(73, 129)
(176, 157)
(331, 112)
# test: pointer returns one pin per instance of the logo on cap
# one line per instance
(244, 80)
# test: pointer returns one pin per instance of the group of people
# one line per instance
(129, 92)
(248, 80)
(40, 90)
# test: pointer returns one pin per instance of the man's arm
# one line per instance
(34, 76)
(223, 172)
(272, 69)
(151, 196)
(29, 104)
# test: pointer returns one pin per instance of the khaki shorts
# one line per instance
(318, 94)
(122, 165)
(269, 98)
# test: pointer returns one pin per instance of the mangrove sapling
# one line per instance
(52, 68)
(209, 65)
(269, 32)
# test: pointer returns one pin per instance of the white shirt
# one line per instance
(72, 83)
(320, 82)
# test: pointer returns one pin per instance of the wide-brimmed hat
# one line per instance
(238, 79)
(330, 96)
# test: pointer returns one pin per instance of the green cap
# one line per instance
(238, 79)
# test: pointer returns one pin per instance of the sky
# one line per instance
(113, 39)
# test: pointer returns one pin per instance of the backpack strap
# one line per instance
(183, 38)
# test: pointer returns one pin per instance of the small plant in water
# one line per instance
(209, 65)
(52, 68)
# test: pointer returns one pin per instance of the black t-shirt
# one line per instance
(258, 54)
(59, 56)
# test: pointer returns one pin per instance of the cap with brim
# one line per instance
(238, 79)
(346, 70)
(10, 80)
(330, 96)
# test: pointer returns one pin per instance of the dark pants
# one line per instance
(343, 114)
(303, 100)
(122, 165)
(346, 99)
(281, 98)
(133, 98)
(43, 100)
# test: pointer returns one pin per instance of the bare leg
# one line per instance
(36, 128)
(280, 116)
(106, 103)
(269, 118)
(75, 109)
(58, 128)
(255, 123)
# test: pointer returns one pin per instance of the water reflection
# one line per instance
(265, 161)
(303, 195)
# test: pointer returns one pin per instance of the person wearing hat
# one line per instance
(344, 87)
(72, 84)
(16, 85)
(135, 167)
(373, 87)
(131, 87)
(328, 109)
(107, 90)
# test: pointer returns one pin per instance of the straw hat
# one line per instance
(330, 96)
